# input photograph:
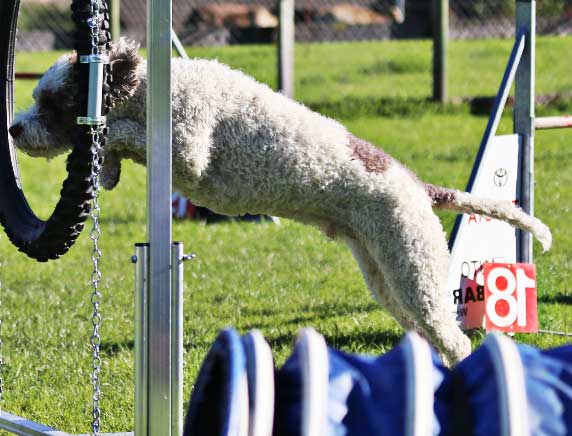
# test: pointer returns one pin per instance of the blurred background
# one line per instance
(45, 25)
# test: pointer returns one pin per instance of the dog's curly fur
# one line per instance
(239, 147)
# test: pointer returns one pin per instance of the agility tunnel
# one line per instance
(502, 388)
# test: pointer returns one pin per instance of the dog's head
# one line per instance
(46, 128)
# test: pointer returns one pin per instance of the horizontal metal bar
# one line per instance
(29, 76)
(129, 433)
(24, 427)
(558, 122)
(556, 333)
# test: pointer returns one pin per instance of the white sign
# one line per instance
(481, 239)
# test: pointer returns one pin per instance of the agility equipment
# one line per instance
(502, 389)
(159, 272)
(44, 240)
(503, 169)
(234, 392)
(79, 195)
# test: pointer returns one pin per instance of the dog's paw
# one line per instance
(111, 171)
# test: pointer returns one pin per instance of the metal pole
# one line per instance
(440, 43)
(286, 48)
(159, 134)
(115, 19)
(524, 116)
(177, 339)
(141, 259)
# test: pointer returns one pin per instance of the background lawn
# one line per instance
(275, 278)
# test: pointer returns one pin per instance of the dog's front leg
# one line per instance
(111, 170)
(375, 282)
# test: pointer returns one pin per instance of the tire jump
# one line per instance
(50, 239)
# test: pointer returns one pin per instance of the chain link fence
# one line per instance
(45, 25)
(495, 18)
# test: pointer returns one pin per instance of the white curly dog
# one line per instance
(239, 147)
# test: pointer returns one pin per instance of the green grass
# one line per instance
(276, 278)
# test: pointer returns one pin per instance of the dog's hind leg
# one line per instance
(419, 293)
(414, 268)
(406, 240)
(408, 319)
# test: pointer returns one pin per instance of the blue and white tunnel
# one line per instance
(234, 391)
(501, 389)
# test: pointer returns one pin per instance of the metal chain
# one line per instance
(96, 155)
(93, 24)
(95, 279)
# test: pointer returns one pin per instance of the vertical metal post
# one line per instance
(159, 134)
(177, 339)
(524, 116)
(141, 260)
(286, 48)
(440, 43)
(115, 19)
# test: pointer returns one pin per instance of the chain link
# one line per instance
(95, 297)
(96, 145)
(93, 24)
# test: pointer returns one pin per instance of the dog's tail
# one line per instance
(451, 199)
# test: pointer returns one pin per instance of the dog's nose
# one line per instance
(16, 130)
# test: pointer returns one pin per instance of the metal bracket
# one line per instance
(91, 121)
(187, 257)
(94, 59)
(95, 91)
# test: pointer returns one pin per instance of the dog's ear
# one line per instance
(110, 171)
(124, 62)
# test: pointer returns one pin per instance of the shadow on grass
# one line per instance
(351, 107)
(104, 220)
(110, 349)
(392, 107)
(556, 299)
(356, 340)
(383, 339)
(318, 311)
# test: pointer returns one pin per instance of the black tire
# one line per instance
(45, 240)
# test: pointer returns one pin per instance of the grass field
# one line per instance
(275, 278)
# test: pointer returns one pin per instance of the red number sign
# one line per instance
(510, 295)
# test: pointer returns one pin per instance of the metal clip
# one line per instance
(91, 121)
(94, 59)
